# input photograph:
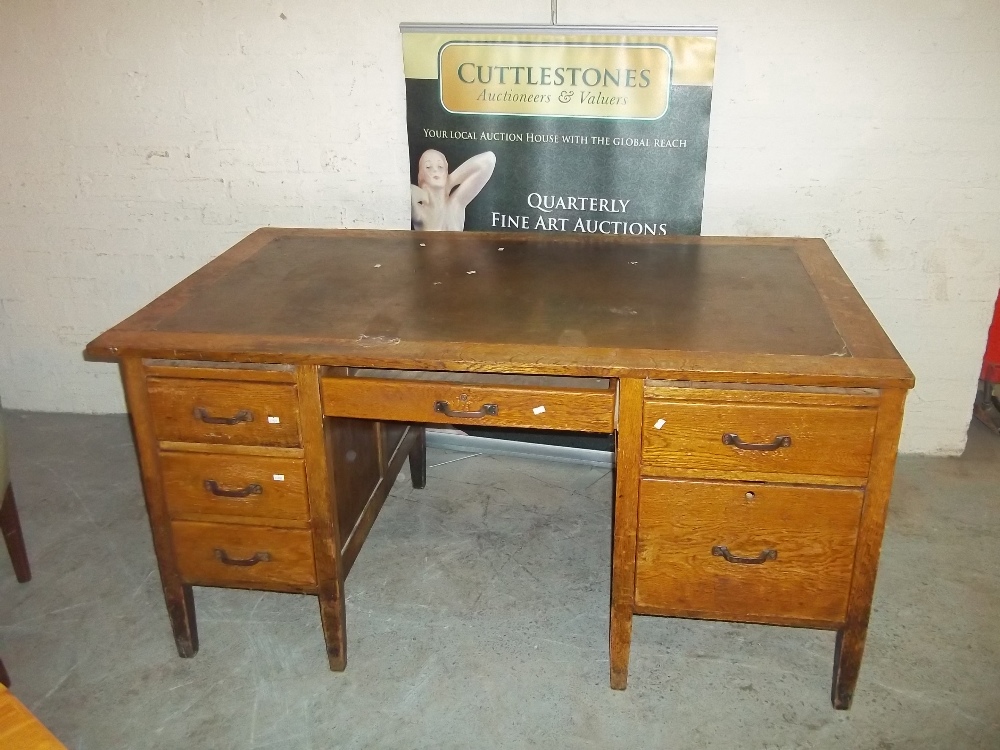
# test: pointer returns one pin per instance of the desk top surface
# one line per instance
(718, 308)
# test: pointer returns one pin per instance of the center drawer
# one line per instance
(746, 551)
(476, 403)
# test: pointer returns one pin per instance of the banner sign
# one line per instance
(565, 129)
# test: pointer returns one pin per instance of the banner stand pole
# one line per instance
(555, 12)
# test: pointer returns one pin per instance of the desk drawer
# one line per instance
(265, 487)
(742, 551)
(582, 410)
(811, 444)
(215, 554)
(224, 411)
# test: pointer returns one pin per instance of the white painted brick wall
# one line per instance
(139, 139)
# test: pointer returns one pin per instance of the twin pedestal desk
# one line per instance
(755, 403)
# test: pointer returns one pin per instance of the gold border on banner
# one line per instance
(693, 56)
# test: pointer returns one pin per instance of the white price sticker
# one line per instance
(659, 424)
(539, 410)
(274, 420)
(279, 477)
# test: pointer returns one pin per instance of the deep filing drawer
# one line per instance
(578, 409)
(224, 412)
(215, 554)
(742, 551)
(198, 484)
(759, 441)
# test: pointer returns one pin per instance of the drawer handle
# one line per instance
(251, 489)
(484, 410)
(782, 441)
(243, 415)
(259, 557)
(763, 557)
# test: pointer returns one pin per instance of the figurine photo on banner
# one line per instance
(439, 199)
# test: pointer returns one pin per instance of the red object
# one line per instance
(991, 361)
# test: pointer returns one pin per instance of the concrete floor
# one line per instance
(478, 618)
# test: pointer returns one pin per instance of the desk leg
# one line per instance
(851, 638)
(627, 453)
(178, 596)
(418, 458)
(318, 443)
(180, 609)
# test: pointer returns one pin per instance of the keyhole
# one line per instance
(750, 496)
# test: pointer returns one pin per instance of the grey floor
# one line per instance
(478, 618)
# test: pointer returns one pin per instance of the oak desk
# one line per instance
(755, 401)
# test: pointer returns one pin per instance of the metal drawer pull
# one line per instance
(782, 441)
(222, 557)
(244, 415)
(251, 489)
(484, 410)
(763, 557)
